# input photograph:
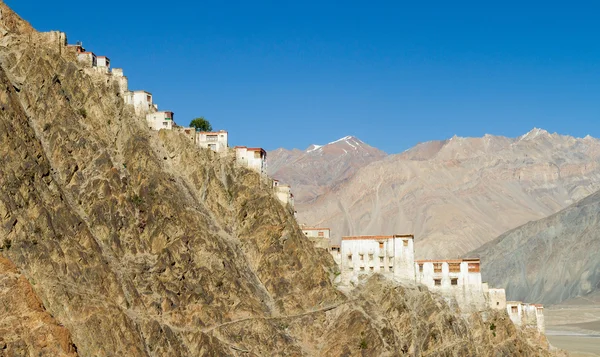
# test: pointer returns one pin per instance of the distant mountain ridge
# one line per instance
(550, 260)
(454, 194)
(312, 171)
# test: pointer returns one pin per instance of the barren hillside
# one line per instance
(128, 242)
(320, 167)
(549, 260)
(458, 194)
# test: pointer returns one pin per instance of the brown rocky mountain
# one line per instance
(549, 260)
(458, 194)
(120, 241)
(320, 167)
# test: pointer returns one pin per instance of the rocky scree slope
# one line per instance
(458, 194)
(136, 243)
(549, 260)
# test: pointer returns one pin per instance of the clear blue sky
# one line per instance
(288, 74)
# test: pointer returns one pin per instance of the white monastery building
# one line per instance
(458, 278)
(284, 194)
(321, 237)
(103, 61)
(160, 120)
(388, 255)
(252, 158)
(526, 315)
(141, 101)
(216, 141)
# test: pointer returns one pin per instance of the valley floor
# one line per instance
(574, 326)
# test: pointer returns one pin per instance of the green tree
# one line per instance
(201, 124)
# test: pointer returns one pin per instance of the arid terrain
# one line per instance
(574, 325)
(116, 240)
(455, 195)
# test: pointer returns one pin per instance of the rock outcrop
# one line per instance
(549, 260)
(137, 243)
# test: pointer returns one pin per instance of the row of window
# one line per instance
(381, 268)
(452, 267)
(371, 258)
(438, 282)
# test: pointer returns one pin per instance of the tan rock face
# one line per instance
(458, 194)
(140, 244)
(26, 329)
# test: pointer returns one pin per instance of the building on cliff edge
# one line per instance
(457, 280)
(216, 141)
(321, 237)
(252, 158)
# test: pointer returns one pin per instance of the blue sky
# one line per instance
(289, 74)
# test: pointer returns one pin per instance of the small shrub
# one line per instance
(47, 127)
(109, 121)
(492, 327)
(363, 344)
(137, 200)
(83, 112)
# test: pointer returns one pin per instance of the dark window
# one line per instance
(514, 309)
(380, 245)
(437, 282)
(437, 267)
(420, 268)
(405, 243)
(454, 281)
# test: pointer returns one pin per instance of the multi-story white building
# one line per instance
(103, 61)
(392, 256)
(319, 236)
(458, 278)
(216, 141)
(160, 120)
(526, 315)
(88, 59)
(141, 101)
(252, 158)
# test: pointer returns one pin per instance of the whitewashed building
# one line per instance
(526, 315)
(88, 59)
(141, 101)
(160, 120)
(284, 194)
(392, 256)
(252, 158)
(458, 278)
(216, 141)
(319, 236)
(103, 61)
(496, 298)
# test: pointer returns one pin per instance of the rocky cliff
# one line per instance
(120, 241)
(549, 260)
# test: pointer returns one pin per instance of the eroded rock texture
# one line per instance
(140, 244)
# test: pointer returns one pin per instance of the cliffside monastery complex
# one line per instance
(458, 280)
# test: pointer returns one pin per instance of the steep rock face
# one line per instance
(141, 244)
(549, 260)
(319, 168)
(26, 329)
(458, 194)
